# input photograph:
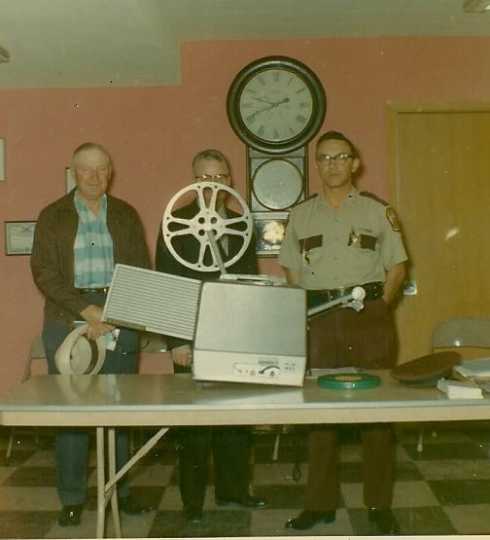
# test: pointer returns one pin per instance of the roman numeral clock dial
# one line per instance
(276, 104)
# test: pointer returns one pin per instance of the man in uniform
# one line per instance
(78, 240)
(230, 445)
(334, 241)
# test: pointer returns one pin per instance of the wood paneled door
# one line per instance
(440, 169)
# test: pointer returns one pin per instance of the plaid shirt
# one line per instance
(93, 248)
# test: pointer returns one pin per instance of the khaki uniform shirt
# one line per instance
(351, 245)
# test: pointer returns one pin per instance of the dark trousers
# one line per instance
(72, 445)
(230, 447)
(322, 488)
(367, 340)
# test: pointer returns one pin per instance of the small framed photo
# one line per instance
(270, 228)
(19, 236)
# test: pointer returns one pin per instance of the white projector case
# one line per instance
(251, 333)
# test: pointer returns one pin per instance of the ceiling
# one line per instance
(87, 43)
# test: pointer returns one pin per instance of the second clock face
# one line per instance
(277, 184)
(276, 105)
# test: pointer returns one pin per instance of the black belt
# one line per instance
(373, 290)
(101, 290)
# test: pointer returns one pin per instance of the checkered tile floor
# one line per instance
(443, 490)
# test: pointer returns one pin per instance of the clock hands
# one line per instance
(272, 105)
(263, 100)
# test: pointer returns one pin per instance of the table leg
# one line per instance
(139, 454)
(100, 482)
(106, 490)
(112, 492)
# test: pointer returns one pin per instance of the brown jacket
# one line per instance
(52, 252)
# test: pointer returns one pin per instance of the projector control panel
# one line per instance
(264, 369)
(248, 368)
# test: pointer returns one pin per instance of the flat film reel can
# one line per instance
(349, 381)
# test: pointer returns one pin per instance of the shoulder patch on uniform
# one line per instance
(373, 196)
(305, 200)
(393, 219)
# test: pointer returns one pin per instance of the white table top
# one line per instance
(166, 400)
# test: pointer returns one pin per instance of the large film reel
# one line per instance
(207, 219)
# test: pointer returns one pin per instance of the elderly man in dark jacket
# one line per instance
(78, 240)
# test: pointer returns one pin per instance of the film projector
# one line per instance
(245, 328)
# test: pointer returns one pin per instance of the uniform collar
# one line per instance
(353, 194)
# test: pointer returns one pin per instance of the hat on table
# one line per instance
(426, 370)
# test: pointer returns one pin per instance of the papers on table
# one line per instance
(460, 390)
(474, 369)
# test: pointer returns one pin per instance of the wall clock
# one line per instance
(276, 104)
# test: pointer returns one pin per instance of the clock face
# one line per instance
(276, 104)
(277, 184)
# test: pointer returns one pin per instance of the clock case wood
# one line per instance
(283, 63)
(262, 214)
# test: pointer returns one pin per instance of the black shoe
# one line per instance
(384, 520)
(308, 518)
(70, 515)
(249, 501)
(193, 515)
(131, 507)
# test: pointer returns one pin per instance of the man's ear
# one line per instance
(356, 163)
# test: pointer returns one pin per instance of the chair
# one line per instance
(459, 333)
(469, 332)
(36, 352)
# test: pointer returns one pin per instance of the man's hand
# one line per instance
(96, 328)
(393, 281)
(182, 356)
(291, 277)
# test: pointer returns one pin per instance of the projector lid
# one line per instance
(153, 301)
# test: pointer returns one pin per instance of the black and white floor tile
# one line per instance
(445, 489)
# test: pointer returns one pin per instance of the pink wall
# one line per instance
(154, 132)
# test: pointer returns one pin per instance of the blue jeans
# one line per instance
(72, 445)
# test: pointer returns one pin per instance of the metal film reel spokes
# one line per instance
(207, 219)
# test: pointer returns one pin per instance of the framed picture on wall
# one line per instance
(19, 236)
(269, 232)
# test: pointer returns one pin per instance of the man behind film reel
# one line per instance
(230, 445)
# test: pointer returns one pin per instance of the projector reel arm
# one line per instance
(353, 300)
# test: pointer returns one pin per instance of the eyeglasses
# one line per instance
(343, 157)
(211, 177)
